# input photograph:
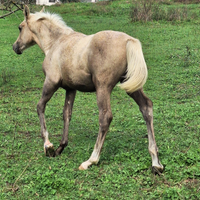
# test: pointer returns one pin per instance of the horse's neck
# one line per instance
(46, 43)
(46, 37)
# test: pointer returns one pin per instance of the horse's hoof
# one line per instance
(81, 168)
(49, 151)
(84, 165)
(59, 150)
(157, 170)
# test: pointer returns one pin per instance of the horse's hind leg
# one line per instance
(47, 93)
(105, 118)
(67, 112)
(146, 107)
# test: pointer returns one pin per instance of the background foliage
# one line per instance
(171, 49)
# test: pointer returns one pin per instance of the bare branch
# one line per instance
(8, 6)
(21, 6)
(9, 13)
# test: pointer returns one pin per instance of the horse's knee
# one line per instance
(147, 109)
(105, 121)
(39, 108)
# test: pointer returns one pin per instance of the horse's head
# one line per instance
(26, 36)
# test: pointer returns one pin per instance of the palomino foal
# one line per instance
(75, 61)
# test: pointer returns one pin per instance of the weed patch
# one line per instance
(152, 10)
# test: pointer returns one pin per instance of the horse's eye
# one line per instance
(20, 28)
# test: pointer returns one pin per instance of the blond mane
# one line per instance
(52, 18)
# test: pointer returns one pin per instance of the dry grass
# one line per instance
(149, 10)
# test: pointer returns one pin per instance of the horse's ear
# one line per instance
(26, 12)
(43, 9)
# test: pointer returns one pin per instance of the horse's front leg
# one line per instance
(105, 118)
(146, 107)
(67, 113)
(47, 93)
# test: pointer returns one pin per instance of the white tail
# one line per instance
(136, 74)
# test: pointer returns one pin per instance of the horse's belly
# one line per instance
(81, 81)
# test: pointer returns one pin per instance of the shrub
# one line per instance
(149, 10)
(141, 10)
(187, 1)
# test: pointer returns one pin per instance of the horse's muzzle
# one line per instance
(16, 49)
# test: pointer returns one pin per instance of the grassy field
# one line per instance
(171, 49)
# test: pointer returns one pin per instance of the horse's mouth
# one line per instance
(16, 49)
(18, 52)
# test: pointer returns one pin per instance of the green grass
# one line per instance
(171, 51)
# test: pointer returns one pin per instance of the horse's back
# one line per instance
(82, 59)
